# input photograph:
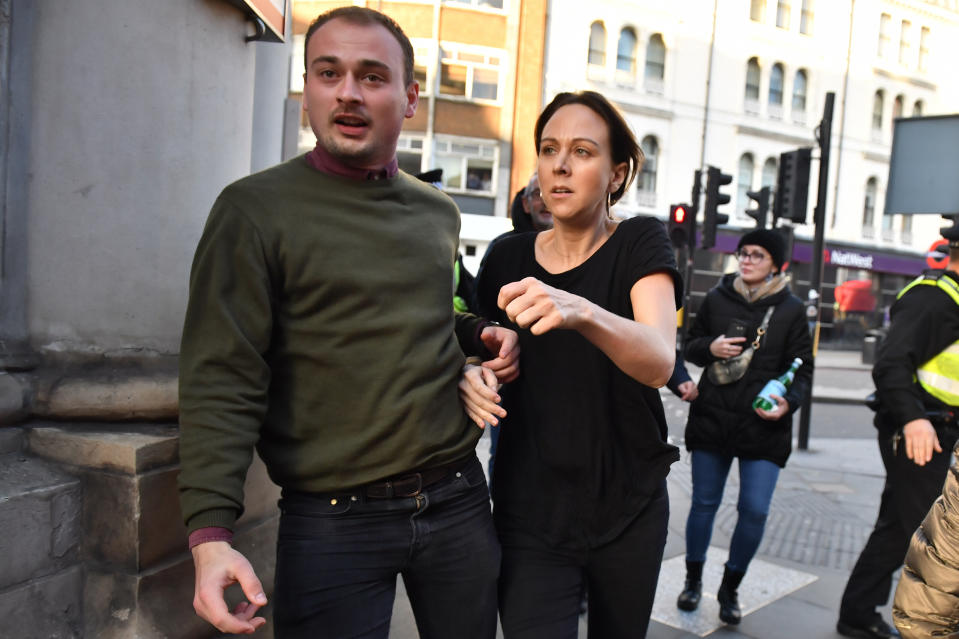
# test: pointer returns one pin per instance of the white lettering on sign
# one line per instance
(848, 258)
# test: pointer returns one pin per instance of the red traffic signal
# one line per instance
(681, 225)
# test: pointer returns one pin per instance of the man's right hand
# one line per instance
(921, 440)
(217, 567)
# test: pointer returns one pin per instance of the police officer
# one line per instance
(917, 386)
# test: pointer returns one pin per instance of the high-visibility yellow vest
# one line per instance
(940, 375)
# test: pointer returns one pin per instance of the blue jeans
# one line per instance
(338, 557)
(757, 481)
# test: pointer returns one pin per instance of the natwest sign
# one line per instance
(837, 257)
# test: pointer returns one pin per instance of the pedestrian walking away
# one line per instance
(579, 489)
(749, 329)
(320, 330)
(917, 388)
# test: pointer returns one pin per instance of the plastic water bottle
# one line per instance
(776, 386)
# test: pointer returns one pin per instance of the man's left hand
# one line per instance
(504, 343)
(921, 441)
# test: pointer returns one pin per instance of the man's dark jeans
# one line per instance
(337, 562)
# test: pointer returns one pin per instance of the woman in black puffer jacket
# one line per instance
(722, 422)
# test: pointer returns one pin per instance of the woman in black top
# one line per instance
(580, 492)
(723, 424)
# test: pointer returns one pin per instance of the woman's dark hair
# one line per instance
(623, 145)
(364, 16)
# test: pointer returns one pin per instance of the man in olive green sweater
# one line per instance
(320, 330)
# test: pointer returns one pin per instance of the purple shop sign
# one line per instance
(837, 256)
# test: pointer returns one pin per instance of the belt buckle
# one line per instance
(419, 485)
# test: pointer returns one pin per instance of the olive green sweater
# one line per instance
(320, 329)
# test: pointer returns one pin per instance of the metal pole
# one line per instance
(815, 280)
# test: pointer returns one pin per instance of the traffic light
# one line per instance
(792, 187)
(761, 197)
(682, 225)
(715, 179)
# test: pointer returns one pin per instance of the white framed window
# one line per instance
(423, 53)
(923, 50)
(469, 165)
(885, 25)
(752, 85)
(409, 153)
(757, 10)
(597, 44)
(473, 73)
(905, 42)
(770, 173)
(646, 184)
(626, 51)
(897, 105)
(782, 14)
(806, 17)
(877, 108)
(869, 207)
(776, 80)
(917, 109)
(799, 96)
(655, 61)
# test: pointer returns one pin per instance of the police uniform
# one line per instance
(916, 376)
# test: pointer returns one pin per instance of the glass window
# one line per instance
(905, 43)
(468, 165)
(885, 22)
(469, 73)
(626, 51)
(877, 107)
(896, 110)
(409, 154)
(744, 182)
(597, 44)
(869, 204)
(799, 92)
(906, 228)
(776, 85)
(924, 49)
(770, 172)
(421, 55)
(782, 14)
(806, 17)
(655, 58)
(757, 9)
(752, 79)
(647, 177)
(917, 109)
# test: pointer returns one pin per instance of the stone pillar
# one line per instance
(138, 577)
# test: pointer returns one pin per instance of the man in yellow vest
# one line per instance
(917, 385)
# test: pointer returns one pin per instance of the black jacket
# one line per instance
(722, 419)
(924, 322)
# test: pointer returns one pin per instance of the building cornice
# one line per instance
(779, 136)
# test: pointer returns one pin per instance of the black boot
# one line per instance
(729, 611)
(693, 590)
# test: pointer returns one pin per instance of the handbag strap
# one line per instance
(762, 328)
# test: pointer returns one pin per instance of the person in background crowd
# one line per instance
(917, 386)
(681, 384)
(320, 330)
(580, 491)
(722, 423)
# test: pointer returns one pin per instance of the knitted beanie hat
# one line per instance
(768, 239)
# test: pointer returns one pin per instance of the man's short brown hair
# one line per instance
(364, 16)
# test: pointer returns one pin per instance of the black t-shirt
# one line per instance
(584, 445)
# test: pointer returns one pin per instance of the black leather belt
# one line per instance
(411, 485)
